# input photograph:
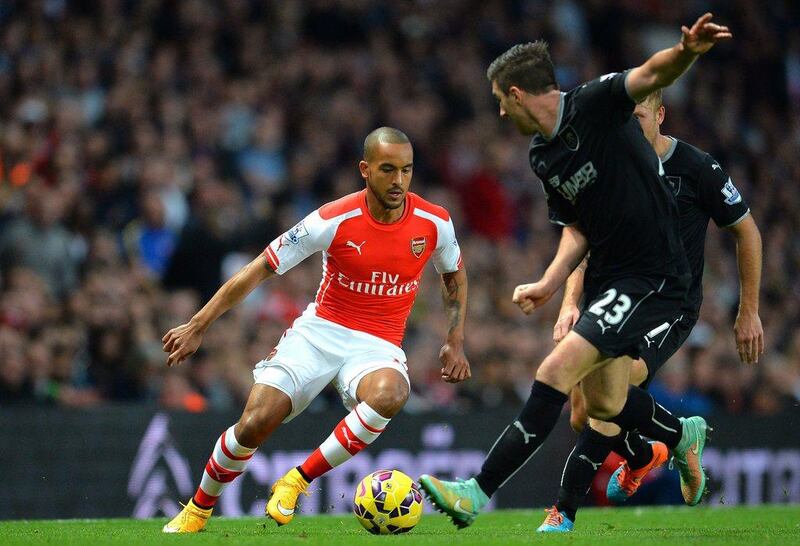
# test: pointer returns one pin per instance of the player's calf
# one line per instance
(357, 430)
(266, 408)
(227, 462)
(582, 465)
(463, 500)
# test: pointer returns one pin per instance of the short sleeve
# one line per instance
(605, 98)
(718, 195)
(447, 256)
(310, 235)
(560, 211)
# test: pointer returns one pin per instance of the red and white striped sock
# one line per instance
(353, 433)
(227, 461)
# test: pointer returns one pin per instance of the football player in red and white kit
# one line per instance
(374, 244)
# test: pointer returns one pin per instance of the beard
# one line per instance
(391, 206)
(382, 198)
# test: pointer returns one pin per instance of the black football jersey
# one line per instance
(703, 190)
(599, 171)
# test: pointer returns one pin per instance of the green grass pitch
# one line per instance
(675, 526)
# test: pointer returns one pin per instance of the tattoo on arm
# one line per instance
(451, 291)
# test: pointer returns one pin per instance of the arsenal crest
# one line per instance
(418, 246)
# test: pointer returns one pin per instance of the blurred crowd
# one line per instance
(148, 149)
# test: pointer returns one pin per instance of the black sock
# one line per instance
(633, 448)
(303, 474)
(582, 465)
(201, 506)
(641, 413)
(522, 438)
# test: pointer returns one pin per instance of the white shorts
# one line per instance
(315, 352)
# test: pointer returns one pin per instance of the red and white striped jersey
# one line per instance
(370, 271)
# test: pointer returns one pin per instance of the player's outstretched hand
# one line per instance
(181, 342)
(455, 366)
(703, 35)
(531, 296)
(749, 337)
(567, 318)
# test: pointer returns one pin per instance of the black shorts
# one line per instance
(662, 342)
(619, 312)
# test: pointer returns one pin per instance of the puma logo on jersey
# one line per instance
(357, 247)
(715, 166)
(525, 434)
(602, 326)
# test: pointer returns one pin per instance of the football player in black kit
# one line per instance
(603, 184)
(704, 191)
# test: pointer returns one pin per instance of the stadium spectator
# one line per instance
(133, 133)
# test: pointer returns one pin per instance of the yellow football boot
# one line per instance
(283, 500)
(189, 520)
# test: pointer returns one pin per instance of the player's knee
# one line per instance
(638, 372)
(248, 429)
(253, 427)
(550, 372)
(256, 424)
(604, 407)
(388, 398)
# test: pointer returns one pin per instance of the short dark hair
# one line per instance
(388, 135)
(527, 66)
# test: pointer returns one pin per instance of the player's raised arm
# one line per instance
(668, 65)
(571, 250)
(183, 340)
(748, 329)
(455, 366)
(569, 313)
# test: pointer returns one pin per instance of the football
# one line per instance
(387, 502)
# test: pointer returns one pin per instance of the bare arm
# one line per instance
(571, 250)
(667, 65)
(183, 340)
(569, 313)
(573, 289)
(748, 329)
(455, 366)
